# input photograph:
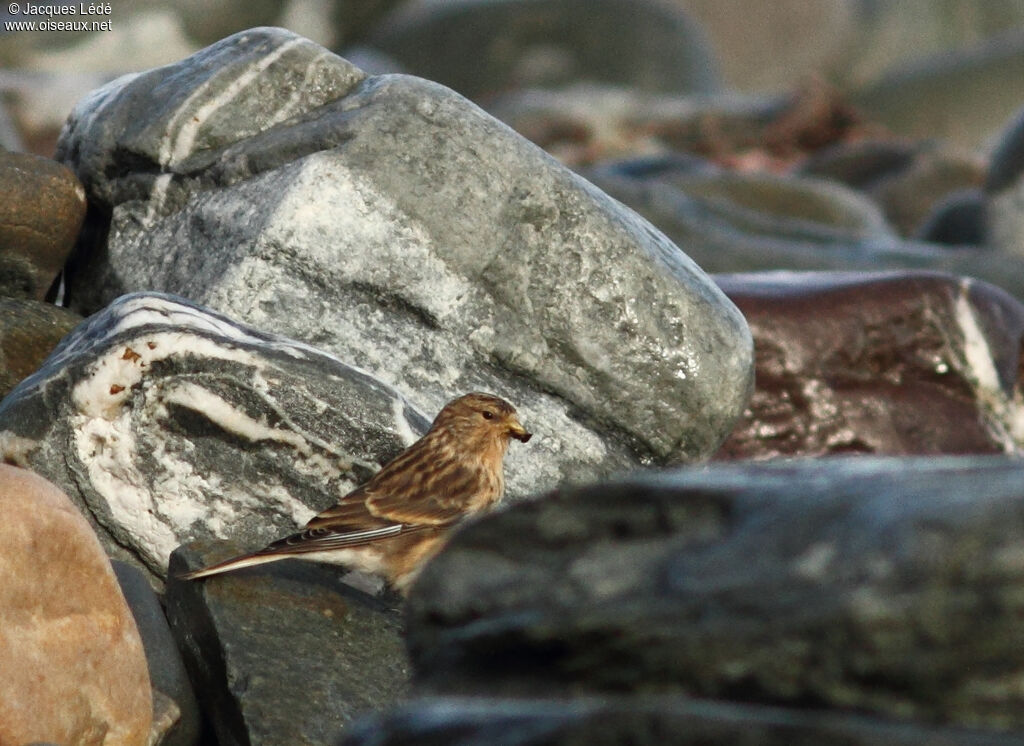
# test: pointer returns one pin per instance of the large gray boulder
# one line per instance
(884, 585)
(390, 221)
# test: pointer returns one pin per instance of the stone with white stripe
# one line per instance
(392, 222)
(881, 362)
(166, 423)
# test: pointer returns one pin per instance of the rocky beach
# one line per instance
(751, 273)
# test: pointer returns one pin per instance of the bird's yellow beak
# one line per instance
(517, 431)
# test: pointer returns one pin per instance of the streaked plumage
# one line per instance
(398, 519)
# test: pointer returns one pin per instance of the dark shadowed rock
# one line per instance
(861, 164)
(392, 222)
(886, 585)
(40, 215)
(959, 219)
(888, 363)
(167, 673)
(641, 721)
(285, 653)
(166, 422)
(521, 43)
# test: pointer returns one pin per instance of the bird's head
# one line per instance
(481, 416)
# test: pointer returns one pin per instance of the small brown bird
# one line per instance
(398, 519)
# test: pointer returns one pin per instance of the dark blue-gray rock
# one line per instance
(393, 223)
(40, 216)
(960, 219)
(166, 669)
(886, 585)
(285, 654)
(166, 422)
(642, 721)
(871, 362)
(552, 43)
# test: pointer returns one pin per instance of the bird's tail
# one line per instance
(234, 563)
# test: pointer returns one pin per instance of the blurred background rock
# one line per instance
(950, 69)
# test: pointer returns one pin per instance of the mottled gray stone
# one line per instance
(878, 362)
(482, 48)
(641, 721)
(283, 654)
(395, 224)
(166, 422)
(893, 586)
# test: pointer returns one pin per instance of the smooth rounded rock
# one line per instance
(74, 669)
(285, 654)
(40, 216)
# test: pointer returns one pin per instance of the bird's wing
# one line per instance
(419, 488)
(328, 537)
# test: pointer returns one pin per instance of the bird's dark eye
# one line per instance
(487, 415)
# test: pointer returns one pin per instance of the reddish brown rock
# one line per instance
(74, 671)
(40, 217)
(887, 363)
